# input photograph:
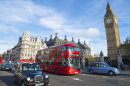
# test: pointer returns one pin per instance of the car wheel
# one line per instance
(91, 71)
(111, 73)
(22, 84)
(56, 71)
(14, 78)
(45, 85)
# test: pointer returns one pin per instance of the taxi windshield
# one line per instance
(31, 67)
(6, 64)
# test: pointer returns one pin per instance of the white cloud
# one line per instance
(5, 48)
(6, 29)
(6, 44)
(23, 11)
(99, 46)
(53, 22)
(84, 32)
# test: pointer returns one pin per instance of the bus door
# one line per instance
(62, 66)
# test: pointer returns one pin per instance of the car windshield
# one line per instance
(31, 67)
(6, 64)
(73, 62)
(107, 65)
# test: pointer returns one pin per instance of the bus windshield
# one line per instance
(73, 62)
(72, 48)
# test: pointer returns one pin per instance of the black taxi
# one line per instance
(30, 74)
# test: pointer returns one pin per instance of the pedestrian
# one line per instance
(122, 66)
(129, 65)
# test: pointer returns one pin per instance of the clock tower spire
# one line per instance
(112, 32)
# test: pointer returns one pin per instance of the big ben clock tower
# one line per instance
(112, 32)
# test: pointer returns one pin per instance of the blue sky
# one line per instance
(81, 19)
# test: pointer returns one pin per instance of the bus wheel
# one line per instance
(56, 71)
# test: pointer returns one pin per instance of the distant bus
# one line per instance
(62, 59)
(0, 60)
(27, 60)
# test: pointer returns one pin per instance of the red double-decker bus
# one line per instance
(62, 59)
(0, 60)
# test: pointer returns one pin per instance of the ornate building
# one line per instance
(112, 32)
(27, 47)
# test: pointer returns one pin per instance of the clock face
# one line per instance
(115, 20)
(108, 20)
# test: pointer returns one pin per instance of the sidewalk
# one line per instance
(125, 72)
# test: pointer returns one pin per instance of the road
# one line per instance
(73, 80)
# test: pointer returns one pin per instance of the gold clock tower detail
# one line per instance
(112, 32)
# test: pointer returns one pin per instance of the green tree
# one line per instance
(89, 57)
(126, 45)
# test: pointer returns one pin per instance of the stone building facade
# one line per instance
(27, 47)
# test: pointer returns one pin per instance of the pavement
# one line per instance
(124, 72)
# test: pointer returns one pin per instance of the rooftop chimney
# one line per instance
(72, 39)
(78, 40)
(56, 34)
(46, 39)
(65, 37)
(50, 37)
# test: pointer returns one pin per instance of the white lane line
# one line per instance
(77, 79)
(89, 75)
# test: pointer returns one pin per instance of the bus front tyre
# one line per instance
(56, 71)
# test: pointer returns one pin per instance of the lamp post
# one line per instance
(83, 59)
(119, 58)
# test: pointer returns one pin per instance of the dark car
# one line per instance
(30, 74)
(6, 66)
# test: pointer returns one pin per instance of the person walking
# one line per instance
(122, 66)
(129, 65)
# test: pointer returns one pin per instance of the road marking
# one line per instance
(77, 79)
(107, 77)
(89, 75)
(116, 78)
